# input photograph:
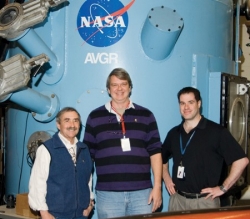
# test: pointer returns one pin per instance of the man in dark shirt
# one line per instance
(199, 148)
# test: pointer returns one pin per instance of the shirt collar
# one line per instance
(201, 125)
(109, 108)
(66, 142)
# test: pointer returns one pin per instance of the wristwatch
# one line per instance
(92, 203)
(222, 188)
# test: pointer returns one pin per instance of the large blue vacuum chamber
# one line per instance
(163, 44)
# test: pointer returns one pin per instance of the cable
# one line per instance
(20, 176)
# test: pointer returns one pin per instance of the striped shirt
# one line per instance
(119, 170)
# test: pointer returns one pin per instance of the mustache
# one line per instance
(72, 128)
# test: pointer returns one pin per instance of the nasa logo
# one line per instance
(102, 23)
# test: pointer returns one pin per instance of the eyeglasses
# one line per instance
(122, 85)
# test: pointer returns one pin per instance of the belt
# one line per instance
(191, 195)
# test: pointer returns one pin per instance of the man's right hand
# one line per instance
(170, 186)
(46, 215)
(167, 179)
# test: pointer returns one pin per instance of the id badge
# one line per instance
(125, 144)
(180, 172)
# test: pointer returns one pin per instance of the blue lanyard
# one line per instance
(183, 150)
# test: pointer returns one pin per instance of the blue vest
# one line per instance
(67, 185)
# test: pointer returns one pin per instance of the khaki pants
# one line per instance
(180, 203)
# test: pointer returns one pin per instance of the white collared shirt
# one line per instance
(109, 108)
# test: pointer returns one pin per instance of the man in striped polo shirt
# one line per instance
(124, 143)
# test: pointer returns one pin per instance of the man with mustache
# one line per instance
(59, 182)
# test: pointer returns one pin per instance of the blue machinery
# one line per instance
(61, 52)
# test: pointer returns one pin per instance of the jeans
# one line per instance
(119, 204)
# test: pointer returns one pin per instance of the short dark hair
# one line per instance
(64, 110)
(120, 73)
(187, 90)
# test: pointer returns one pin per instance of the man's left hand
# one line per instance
(87, 211)
(212, 192)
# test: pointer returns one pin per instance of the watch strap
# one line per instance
(222, 188)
